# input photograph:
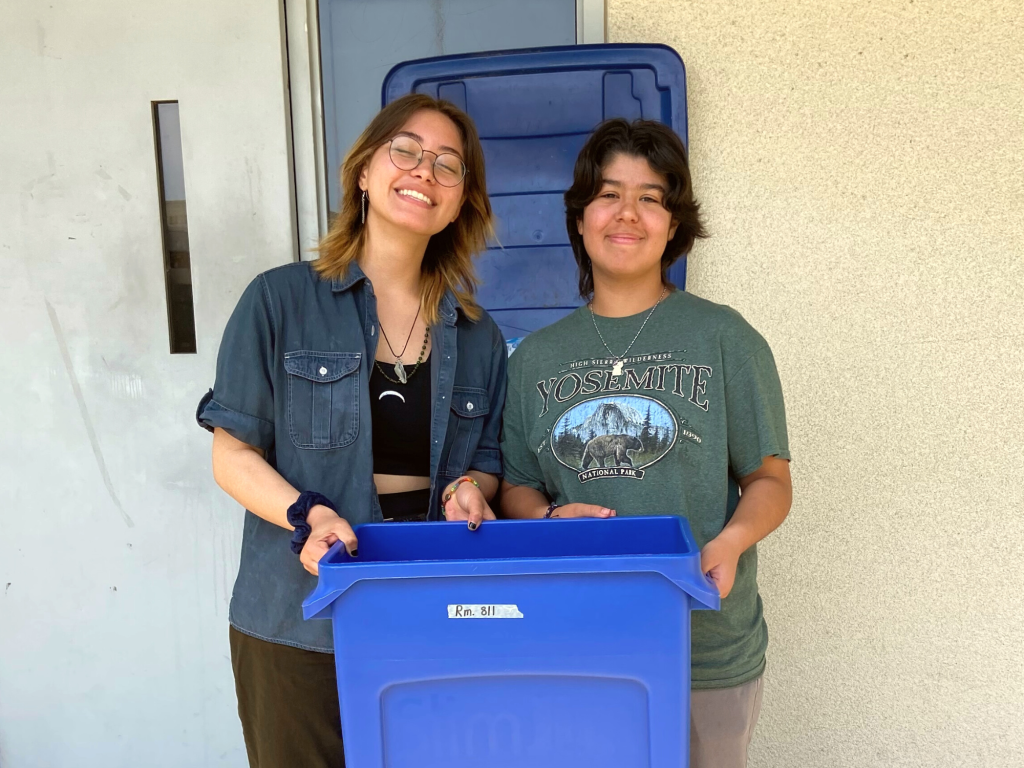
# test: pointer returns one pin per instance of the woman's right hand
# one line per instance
(582, 510)
(469, 504)
(327, 528)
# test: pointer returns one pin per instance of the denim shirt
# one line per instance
(293, 379)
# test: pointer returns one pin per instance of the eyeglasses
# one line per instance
(407, 153)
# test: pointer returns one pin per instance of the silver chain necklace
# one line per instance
(618, 359)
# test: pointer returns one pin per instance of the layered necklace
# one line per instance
(400, 372)
(618, 360)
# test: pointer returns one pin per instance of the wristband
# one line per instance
(299, 511)
(551, 508)
(454, 486)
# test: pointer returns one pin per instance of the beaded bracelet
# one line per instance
(454, 486)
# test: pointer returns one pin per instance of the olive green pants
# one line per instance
(288, 704)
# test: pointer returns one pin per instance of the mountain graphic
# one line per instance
(612, 419)
(614, 436)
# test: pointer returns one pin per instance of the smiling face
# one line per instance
(626, 227)
(414, 200)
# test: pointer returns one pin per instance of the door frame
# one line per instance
(309, 150)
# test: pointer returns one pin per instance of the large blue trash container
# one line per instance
(534, 109)
(524, 644)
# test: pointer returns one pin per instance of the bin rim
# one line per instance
(682, 570)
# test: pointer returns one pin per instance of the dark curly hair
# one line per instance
(664, 151)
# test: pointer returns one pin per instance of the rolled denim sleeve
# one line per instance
(487, 457)
(242, 399)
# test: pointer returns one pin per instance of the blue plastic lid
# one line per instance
(534, 109)
(654, 544)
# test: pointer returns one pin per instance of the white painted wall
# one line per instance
(117, 551)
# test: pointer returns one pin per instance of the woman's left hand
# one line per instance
(468, 503)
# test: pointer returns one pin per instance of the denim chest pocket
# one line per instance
(469, 406)
(323, 398)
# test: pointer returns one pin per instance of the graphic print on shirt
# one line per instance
(615, 434)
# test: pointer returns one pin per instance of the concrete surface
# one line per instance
(117, 551)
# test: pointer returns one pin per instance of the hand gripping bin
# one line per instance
(534, 109)
(524, 644)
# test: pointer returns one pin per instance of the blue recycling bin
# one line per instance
(524, 644)
(534, 109)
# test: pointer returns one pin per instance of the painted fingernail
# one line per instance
(473, 526)
(354, 553)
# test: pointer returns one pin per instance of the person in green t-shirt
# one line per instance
(650, 400)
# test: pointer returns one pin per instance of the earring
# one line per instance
(364, 206)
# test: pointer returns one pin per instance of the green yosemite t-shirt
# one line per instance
(698, 404)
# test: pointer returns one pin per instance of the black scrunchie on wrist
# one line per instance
(299, 511)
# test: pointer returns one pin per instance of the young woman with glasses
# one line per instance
(365, 386)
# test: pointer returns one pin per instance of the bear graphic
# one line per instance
(603, 447)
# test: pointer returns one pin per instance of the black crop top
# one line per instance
(401, 421)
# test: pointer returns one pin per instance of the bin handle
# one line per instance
(317, 604)
(706, 598)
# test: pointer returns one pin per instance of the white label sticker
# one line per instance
(484, 612)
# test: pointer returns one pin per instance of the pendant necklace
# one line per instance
(619, 360)
(403, 377)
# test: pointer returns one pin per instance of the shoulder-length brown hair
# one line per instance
(664, 151)
(448, 262)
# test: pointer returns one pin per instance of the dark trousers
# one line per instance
(288, 704)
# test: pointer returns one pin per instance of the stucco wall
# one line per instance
(861, 165)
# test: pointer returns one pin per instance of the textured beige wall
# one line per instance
(861, 165)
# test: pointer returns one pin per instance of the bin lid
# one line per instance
(534, 109)
(651, 544)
